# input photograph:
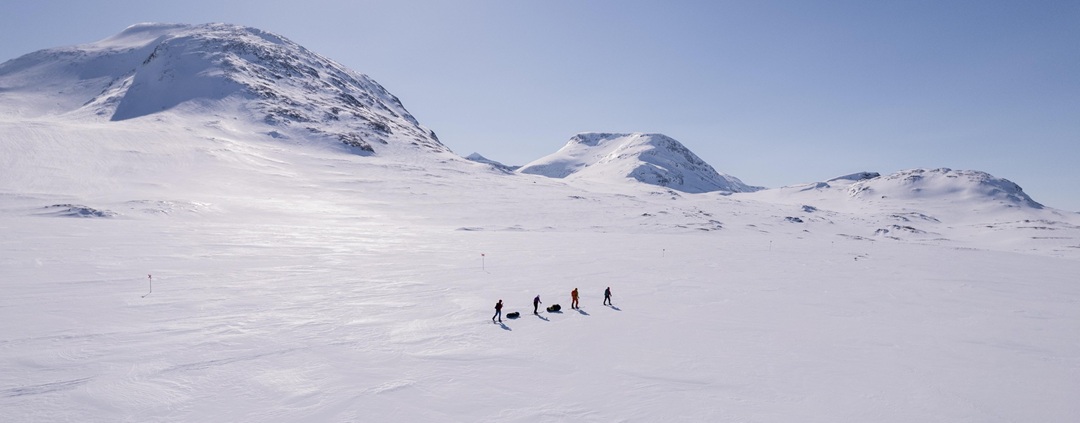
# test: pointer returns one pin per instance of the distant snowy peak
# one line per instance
(476, 157)
(212, 69)
(649, 158)
(839, 182)
(943, 183)
(855, 177)
(933, 191)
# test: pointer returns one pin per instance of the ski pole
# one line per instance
(151, 279)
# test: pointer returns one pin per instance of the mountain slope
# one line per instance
(944, 183)
(282, 88)
(648, 158)
(927, 205)
(936, 188)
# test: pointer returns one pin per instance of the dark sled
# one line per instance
(554, 308)
(513, 315)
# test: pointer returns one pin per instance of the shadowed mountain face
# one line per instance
(214, 69)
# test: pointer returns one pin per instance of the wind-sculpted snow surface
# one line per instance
(649, 158)
(213, 69)
(359, 301)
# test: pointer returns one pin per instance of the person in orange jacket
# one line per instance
(574, 299)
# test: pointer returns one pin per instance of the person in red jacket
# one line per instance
(498, 312)
(574, 299)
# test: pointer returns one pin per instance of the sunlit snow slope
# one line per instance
(649, 158)
(217, 260)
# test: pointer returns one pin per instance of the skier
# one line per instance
(573, 299)
(498, 312)
(607, 296)
(536, 305)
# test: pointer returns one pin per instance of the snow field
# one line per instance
(284, 320)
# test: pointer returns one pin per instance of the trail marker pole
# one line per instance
(151, 279)
(663, 252)
(483, 266)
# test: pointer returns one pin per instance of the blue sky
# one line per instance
(773, 92)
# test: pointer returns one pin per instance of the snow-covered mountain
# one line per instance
(970, 190)
(207, 70)
(923, 204)
(944, 183)
(177, 245)
(649, 158)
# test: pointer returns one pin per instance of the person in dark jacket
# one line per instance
(536, 305)
(498, 312)
(607, 296)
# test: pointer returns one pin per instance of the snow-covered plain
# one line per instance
(297, 280)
